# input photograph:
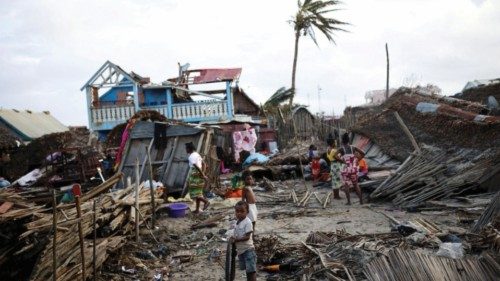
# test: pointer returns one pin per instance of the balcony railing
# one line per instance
(112, 113)
(106, 117)
(199, 110)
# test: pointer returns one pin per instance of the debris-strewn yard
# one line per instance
(431, 212)
(335, 242)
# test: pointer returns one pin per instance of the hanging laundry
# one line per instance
(244, 140)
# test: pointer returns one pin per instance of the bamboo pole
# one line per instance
(317, 198)
(407, 132)
(151, 188)
(54, 239)
(137, 183)
(80, 234)
(327, 198)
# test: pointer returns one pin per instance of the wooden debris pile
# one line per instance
(490, 214)
(106, 228)
(405, 265)
(297, 154)
(431, 175)
(24, 158)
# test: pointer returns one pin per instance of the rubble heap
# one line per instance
(32, 243)
(443, 165)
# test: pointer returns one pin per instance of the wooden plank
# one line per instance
(169, 161)
(5, 207)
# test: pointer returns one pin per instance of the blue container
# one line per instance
(177, 210)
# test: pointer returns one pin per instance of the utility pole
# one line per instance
(319, 100)
(387, 80)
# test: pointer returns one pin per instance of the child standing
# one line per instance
(249, 197)
(335, 168)
(243, 240)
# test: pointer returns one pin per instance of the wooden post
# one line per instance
(54, 239)
(387, 80)
(151, 188)
(137, 183)
(407, 132)
(80, 234)
(94, 267)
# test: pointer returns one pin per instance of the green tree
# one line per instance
(312, 16)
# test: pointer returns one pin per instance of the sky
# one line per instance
(49, 49)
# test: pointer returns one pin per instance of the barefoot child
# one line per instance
(197, 180)
(243, 240)
(249, 197)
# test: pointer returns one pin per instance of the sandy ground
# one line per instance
(178, 236)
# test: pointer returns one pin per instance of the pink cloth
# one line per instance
(244, 140)
(125, 135)
(349, 170)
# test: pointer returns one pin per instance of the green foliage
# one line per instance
(281, 95)
(314, 15)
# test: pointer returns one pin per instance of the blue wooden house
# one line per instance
(113, 96)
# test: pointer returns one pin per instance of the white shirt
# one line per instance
(195, 159)
(242, 228)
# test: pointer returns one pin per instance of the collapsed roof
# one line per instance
(439, 128)
(460, 148)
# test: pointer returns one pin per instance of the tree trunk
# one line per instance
(294, 67)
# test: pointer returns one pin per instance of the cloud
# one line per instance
(49, 49)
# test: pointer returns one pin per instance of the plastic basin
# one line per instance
(177, 210)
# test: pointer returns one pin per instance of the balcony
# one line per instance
(107, 115)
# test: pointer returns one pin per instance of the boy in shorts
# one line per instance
(243, 240)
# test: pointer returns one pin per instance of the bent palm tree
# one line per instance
(313, 14)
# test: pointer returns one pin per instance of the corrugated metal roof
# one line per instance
(31, 125)
(215, 75)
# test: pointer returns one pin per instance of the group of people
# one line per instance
(346, 167)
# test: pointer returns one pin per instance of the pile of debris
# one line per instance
(436, 164)
(70, 146)
(108, 218)
(481, 94)
(8, 141)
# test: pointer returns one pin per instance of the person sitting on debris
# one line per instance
(349, 171)
(243, 240)
(335, 167)
(249, 197)
(197, 180)
(312, 151)
(363, 167)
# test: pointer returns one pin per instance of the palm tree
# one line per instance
(313, 15)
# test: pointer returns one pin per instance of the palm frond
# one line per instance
(281, 95)
(314, 14)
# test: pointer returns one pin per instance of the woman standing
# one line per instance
(349, 171)
(197, 179)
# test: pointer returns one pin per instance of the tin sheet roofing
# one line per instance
(31, 125)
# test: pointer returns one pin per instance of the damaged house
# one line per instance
(196, 96)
